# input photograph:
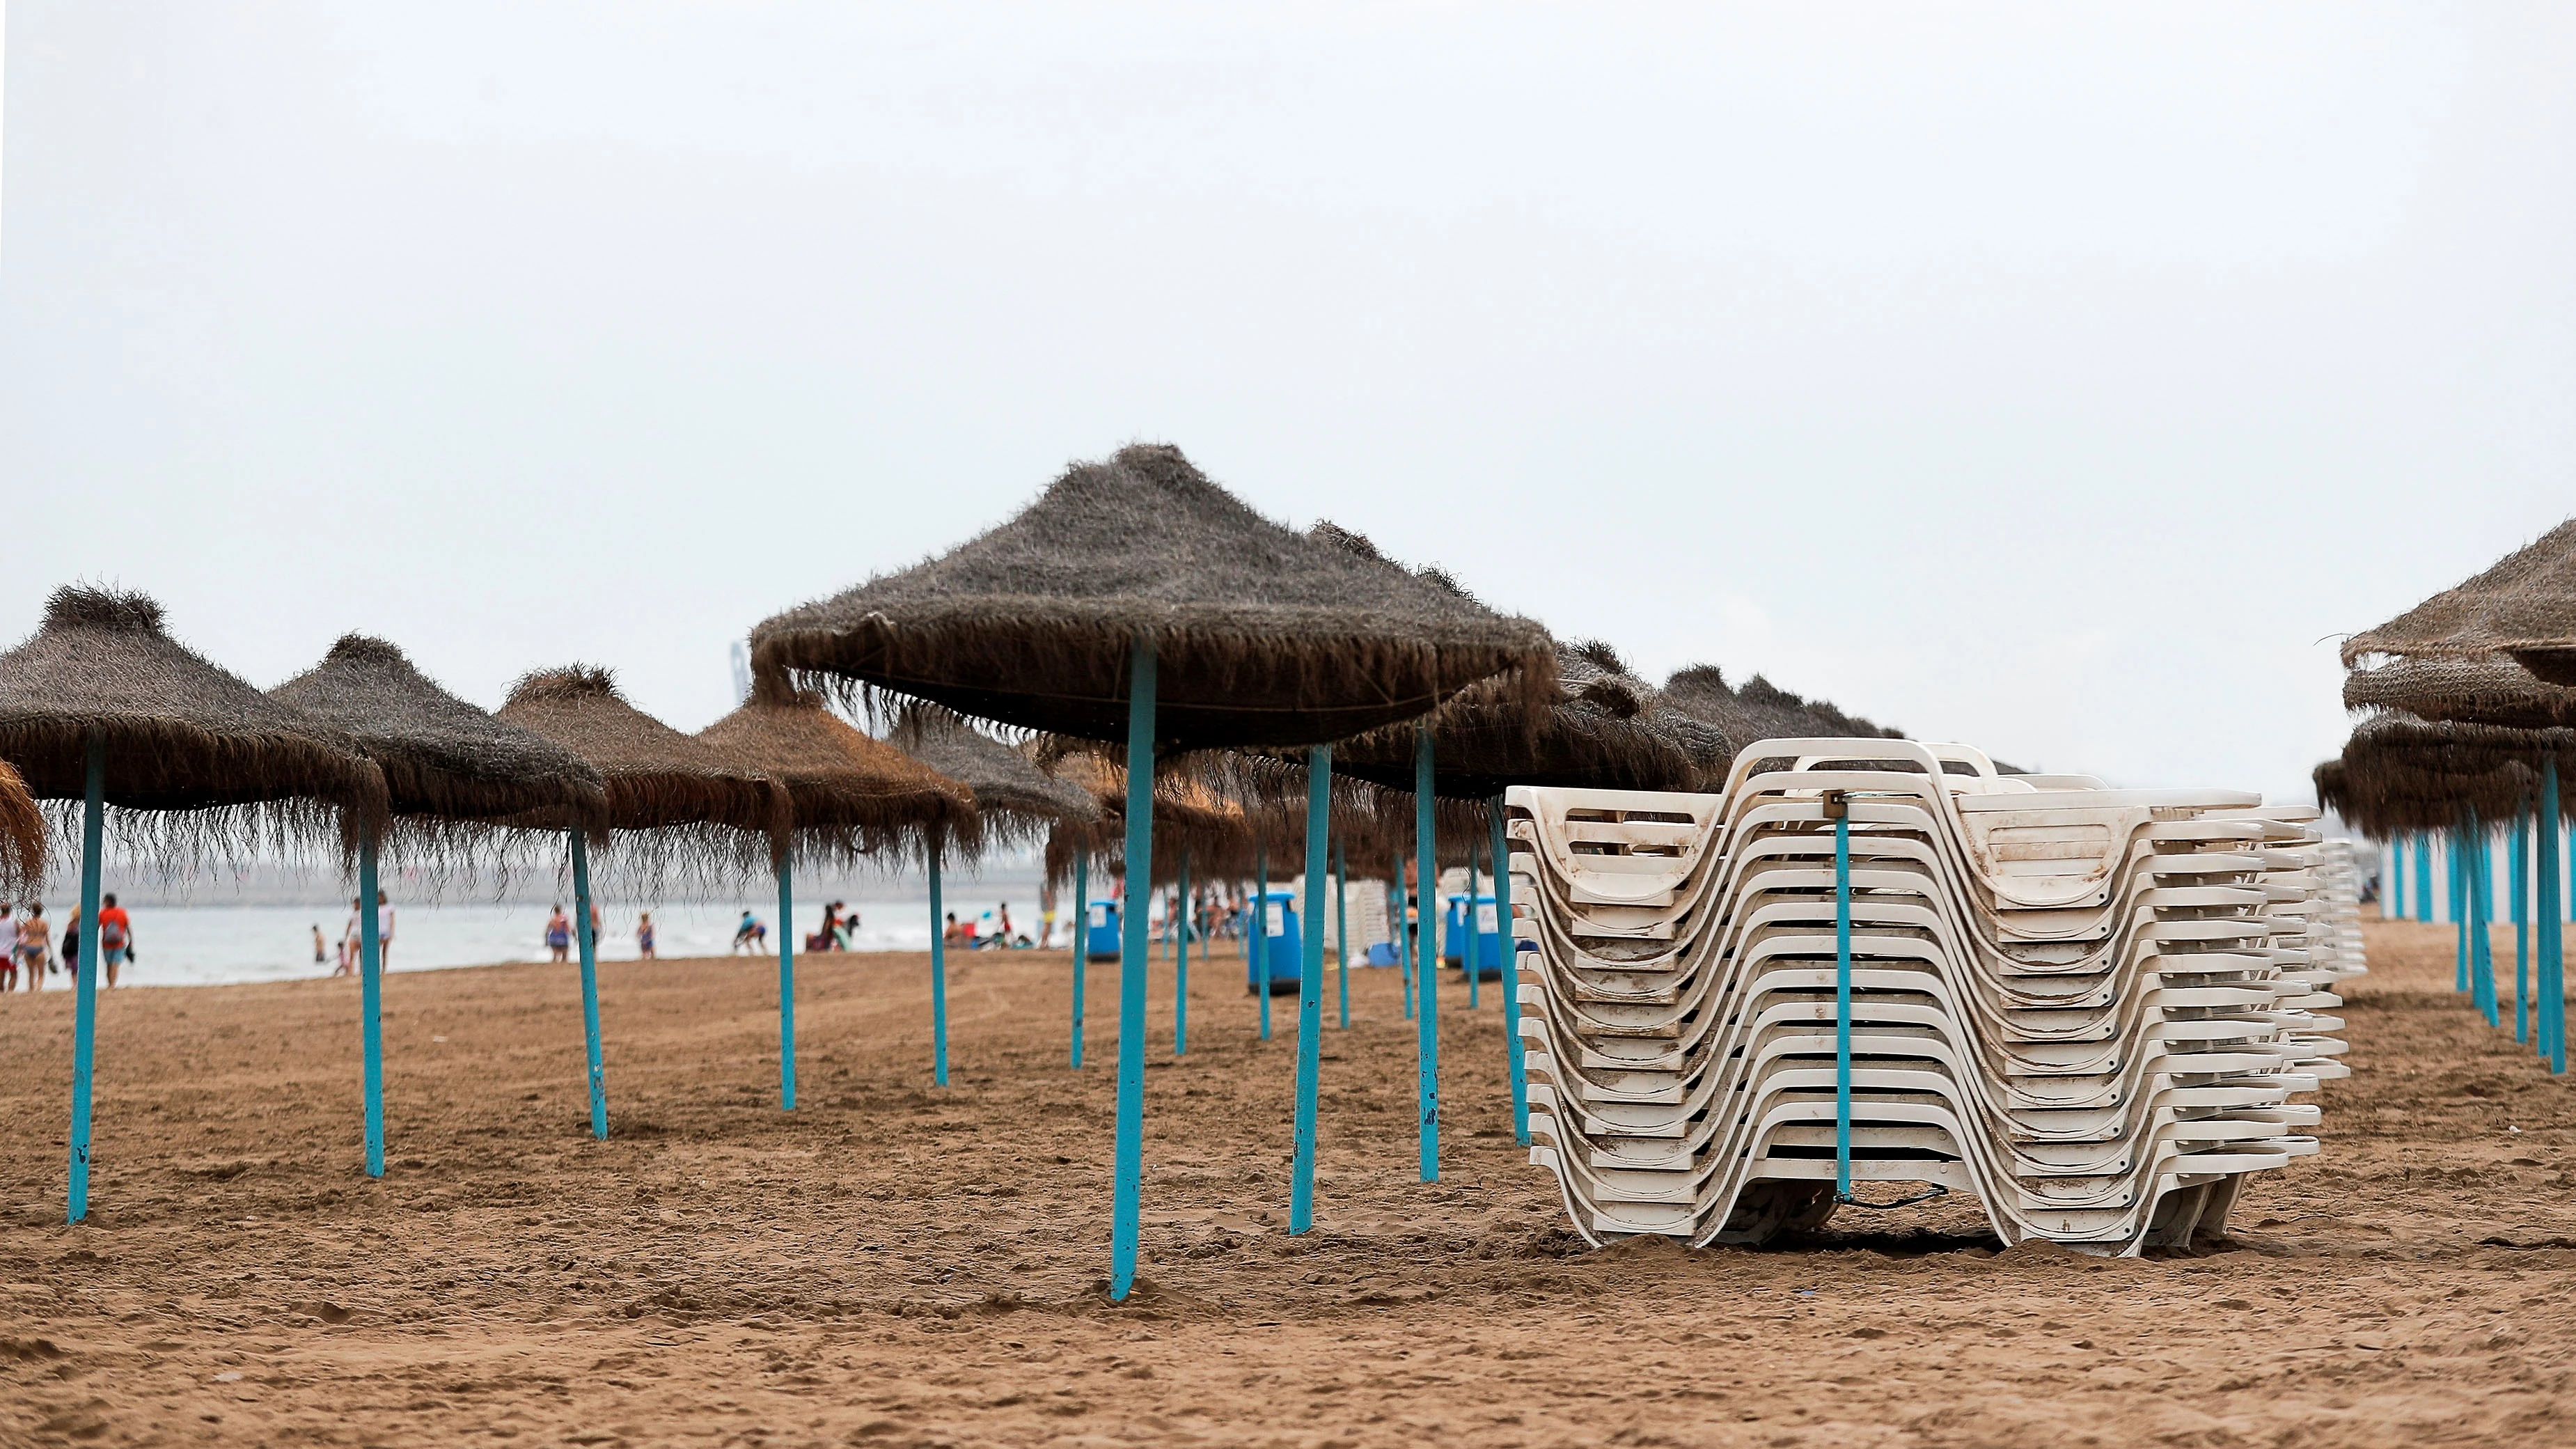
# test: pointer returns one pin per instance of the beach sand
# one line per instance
(897, 1264)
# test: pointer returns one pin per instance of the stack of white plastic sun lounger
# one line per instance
(2087, 1007)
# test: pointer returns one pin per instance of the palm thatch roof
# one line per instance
(1599, 727)
(444, 760)
(2490, 689)
(701, 804)
(1761, 710)
(1190, 817)
(2399, 774)
(22, 838)
(1262, 635)
(2524, 606)
(1604, 730)
(849, 795)
(179, 733)
(1015, 798)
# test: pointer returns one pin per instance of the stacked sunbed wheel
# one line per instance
(2090, 1008)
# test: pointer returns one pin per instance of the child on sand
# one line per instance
(644, 936)
(321, 952)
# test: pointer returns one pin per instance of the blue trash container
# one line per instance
(1100, 931)
(1277, 948)
(1488, 935)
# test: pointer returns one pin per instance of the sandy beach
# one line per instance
(896, 1264)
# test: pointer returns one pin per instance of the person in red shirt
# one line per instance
(115, 937)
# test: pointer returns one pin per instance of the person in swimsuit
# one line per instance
(559, 934)
(644, 936)
(35, 944)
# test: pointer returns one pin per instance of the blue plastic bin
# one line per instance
(1488, 935)
(1100, 931)
(1277, 948)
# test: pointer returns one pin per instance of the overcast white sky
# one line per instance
(2058, 378)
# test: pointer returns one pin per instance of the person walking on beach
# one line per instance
(384, 933)
(559, 934)
(321, 951)
(644, 937)
(34, 945)
(115, 935)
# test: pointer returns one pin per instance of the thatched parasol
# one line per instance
(669, 797)
(1137, 601)
(2491, 690)
(2524, 606)
(451, 773)
(1190, 816)
(2398, 775)
(1604, 730)
(1016, 799)
(179, 734)
(1760, 710)
(1260, 635)
(849, 795)
(446, 763)
(22, 839)
(658, 779)
(103, 707)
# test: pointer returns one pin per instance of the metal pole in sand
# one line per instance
(1511, 950)
(1426, 1032)
(85, 972)
(1310, 986)
(371, 1031)
(1081, 941)
(1259, 944)
(1181, 966)
(2520, 862)
(581, 933)
(2550, 1030)
(786, 988)
(1130, 1154)
(1841, 809)
(938, 979)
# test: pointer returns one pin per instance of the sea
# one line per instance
(217, 942)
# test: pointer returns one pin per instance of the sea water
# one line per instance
(213, 944)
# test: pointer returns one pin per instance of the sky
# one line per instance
(2064, 379)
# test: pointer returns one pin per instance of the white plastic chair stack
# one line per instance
(2088, 1007)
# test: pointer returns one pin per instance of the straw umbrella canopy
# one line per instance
(848, 794)
(2398, 774)
(1601, 731)
(1190, 816)
(2490, 689)
(178, 733)
(448, 766)
(452, 772)
(2524, 606)
(1015, 798)
(700, 801)
(1760, 710)
(104, 707)
(22, 838)
(1260, 635)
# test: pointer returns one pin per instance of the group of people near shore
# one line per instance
(27, 943)
(353, 937)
